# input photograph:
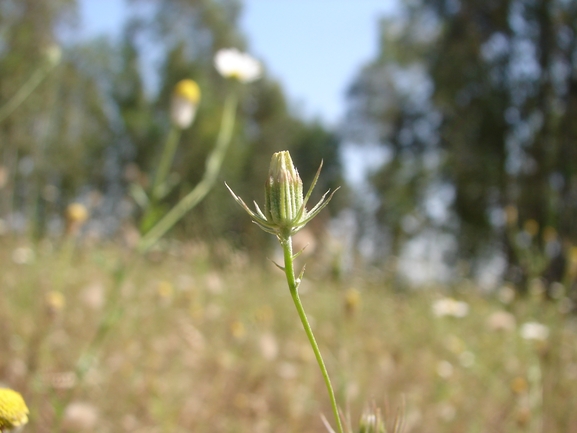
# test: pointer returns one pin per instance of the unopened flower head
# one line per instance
(285, 207)
(283, 198)
(13, 410)
(184, 103)
(231, 63)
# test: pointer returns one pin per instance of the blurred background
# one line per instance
(448, 124)
(441, 278)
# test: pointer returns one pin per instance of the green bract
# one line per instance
(285, 210)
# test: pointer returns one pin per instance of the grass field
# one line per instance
(98, 339)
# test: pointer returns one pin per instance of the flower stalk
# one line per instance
(213, 165)
(293, 284)
(285, 214)
(52, 59)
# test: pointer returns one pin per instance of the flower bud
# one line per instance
(184, 103)
(13, 410)
(372, 422)
(285, 210)
(283, 191)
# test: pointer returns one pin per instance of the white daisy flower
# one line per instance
(231, 63)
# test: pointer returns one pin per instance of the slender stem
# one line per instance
(111, 315)
(213, 164)
(165, 161)
(24, 91)
(293, 287)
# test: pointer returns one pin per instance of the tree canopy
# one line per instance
(473, 103)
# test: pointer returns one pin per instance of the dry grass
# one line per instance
(206, 349)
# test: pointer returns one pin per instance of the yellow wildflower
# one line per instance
(13, 410)
(76, 213)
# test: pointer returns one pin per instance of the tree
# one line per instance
(474, 99)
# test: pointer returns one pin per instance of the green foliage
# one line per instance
(468, 98)
(96, 123)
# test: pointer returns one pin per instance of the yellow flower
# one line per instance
(188, 89)
(55, 302)
(352, 301)
(76, 213)
(13, 410)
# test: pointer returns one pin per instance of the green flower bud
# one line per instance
(283, 199)
(285, 210)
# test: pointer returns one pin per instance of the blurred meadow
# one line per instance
(441, 282)
(199, 347)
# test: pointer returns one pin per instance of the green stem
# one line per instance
(26, 90)
(165, 161)
(293, 287)
(112, 314)
(213, 164)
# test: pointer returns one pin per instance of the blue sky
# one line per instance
(313, 47)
